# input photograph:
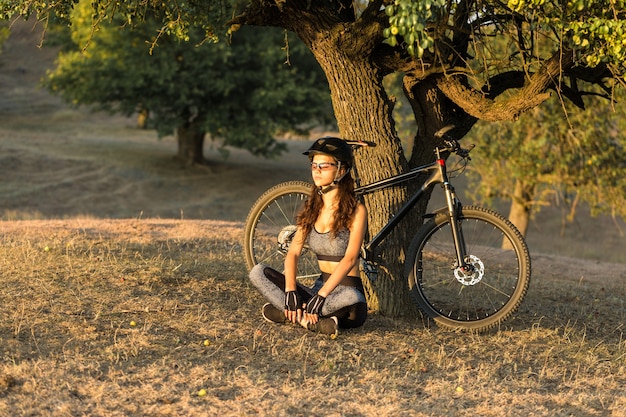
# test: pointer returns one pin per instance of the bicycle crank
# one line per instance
(284, 238)
(472, 273)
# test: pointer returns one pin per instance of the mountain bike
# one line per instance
(466, 267)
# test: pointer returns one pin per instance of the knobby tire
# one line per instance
(478, 301)
(270, 219)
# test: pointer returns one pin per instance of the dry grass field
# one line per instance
(124, 293)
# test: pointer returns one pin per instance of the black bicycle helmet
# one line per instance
(335, 147)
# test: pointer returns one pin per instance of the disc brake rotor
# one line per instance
(474, 275)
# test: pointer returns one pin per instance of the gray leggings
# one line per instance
(344, 302)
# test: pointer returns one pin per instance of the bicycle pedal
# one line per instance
(370, 270)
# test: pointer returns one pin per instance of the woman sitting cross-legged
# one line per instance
(332, 224)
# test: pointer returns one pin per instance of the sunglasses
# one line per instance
(322, 166)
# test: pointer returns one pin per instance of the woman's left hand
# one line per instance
(313, 308)
(311, 318)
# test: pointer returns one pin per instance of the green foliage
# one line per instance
(404, 119)
(11, 8)
(443, 49)
(177, 18)
(242, 92)
(595, 29)
(581, 158)
(408, 20)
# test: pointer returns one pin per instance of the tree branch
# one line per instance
(295, 15)
(530, 94)
(258, 13)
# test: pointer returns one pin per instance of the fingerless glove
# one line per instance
(292, 301)
(314, 306)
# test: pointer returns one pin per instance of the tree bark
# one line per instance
(355, 62)
(190, 145)
(521, 203)
(363, 111)
(142, 118)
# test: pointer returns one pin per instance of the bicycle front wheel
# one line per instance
(478, 298)
(270, 226)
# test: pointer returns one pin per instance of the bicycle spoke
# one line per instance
(271, 219)
(493, 285)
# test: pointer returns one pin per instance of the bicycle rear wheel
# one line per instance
(270, 225)
(478, 299)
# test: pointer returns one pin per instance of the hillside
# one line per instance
(61, 162)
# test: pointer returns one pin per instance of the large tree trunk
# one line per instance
(345, 51)
(364, 112)
(190, 145)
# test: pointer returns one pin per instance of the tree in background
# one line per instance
(548, 155)
(4, 34)
(242, 93)
(443, 49)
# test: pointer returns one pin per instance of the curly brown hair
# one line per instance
(345, 210)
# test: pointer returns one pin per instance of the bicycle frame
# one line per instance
(475, 285)
(438, 175)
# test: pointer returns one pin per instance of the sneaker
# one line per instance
(272, 314)
(325, 325)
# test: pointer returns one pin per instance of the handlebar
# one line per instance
(451, 144)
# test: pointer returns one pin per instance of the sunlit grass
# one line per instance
(135, 317)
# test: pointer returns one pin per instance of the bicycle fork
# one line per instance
(457, 233)
(454, 205)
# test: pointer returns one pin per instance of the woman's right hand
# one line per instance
(294, 316)
(293, 306)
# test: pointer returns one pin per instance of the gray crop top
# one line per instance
(327, 247)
